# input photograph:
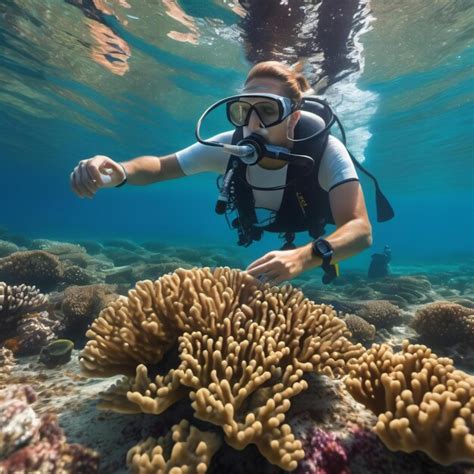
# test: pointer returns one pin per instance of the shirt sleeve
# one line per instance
(199, 158)
(336, 165)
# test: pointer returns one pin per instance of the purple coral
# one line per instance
(324, 454)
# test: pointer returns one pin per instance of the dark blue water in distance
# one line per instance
(403, 89)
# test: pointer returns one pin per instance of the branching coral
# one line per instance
(423, 403)
(15, 301)
(243, 349)
(7, 362)
(185, 449)
(445, 323)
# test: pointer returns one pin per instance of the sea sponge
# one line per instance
(423, 403)
(32, 267)
(444, 323)
(185, 449)
(243, 350)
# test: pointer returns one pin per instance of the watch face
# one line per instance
(323, 247)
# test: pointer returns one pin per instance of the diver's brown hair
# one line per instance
(294, 82)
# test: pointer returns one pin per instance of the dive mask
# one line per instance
(271, 109)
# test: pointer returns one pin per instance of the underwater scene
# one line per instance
(162, 314)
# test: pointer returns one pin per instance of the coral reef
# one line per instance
(422, 402)
(183, 449)
(403, 290)
(361, 330)
(34, 331)
(75, 275)
(7, 362)
(29, 443)
(7, 248)
(18, 421)
(32, 267)
(325, 454)
(444, 323)
(380, 313)
(14, 302)
(243, 351)
(81, 304)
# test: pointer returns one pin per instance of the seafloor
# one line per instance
(50, 422)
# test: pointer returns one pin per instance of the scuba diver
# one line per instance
(281, 158)
(379, 264)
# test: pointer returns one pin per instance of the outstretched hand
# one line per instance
(280, 265)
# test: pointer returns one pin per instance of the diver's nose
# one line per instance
(254, 122)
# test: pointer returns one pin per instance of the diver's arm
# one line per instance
(353, 234)
(100, 171)
(353, 230)
(152, 169)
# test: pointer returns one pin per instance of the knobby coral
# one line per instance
(184, 449)
(243, 351)
(445, 323)
(32, 267)
(422, 402)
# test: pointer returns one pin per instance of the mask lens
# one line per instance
(268, 112)
(237, 112)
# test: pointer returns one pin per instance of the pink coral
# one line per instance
(34, 444)
(324, 454)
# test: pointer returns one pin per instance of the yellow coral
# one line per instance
(243, 351)
(423, 403)
(185, 450)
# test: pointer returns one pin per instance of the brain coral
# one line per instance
(243, 351)
(445, 323)
(32, 267)
(423, 403)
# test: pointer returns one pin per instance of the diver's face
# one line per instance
(277, 134)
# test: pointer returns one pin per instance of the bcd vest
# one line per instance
(305, 205)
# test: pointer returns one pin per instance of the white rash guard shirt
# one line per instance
(336, 168)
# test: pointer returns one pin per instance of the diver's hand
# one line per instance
(280, 265)
(95, 173)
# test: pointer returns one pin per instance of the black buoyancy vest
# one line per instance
(305, 205)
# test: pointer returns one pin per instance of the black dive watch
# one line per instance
(323, 249)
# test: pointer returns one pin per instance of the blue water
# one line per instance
(411, 121)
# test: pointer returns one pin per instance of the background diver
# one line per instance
(280, 157)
